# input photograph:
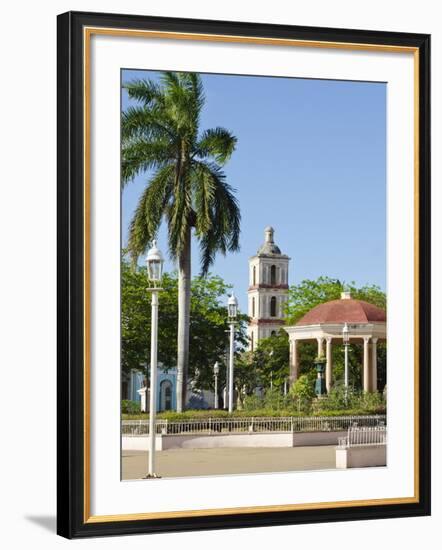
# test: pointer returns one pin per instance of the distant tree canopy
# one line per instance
(271, 359)
(208, 323)
(310, 293)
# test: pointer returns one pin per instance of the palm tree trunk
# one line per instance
(184, 279)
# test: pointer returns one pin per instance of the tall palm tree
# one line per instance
(186, 186)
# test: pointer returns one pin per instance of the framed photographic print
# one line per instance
(243, 274)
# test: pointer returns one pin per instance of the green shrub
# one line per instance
(274, 404)
(303, 388)
(193, 414)
(342, 400)
(253, 403)
(345, 412)
(373, 401)
(274, 400)
(130, 407)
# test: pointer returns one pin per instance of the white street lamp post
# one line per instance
(232, 308)
(226, 388)
(216, 372)
(154, 263)
(346, 340)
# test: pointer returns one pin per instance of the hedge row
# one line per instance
(202, 414)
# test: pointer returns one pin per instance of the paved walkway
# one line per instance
(205, 462)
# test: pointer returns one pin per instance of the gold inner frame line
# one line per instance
(134, 33)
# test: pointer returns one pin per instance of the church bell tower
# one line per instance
(268, 290)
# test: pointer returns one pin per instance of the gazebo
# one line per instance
(324, 323)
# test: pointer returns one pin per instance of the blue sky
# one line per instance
(310, 161)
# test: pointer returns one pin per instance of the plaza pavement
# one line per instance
(205, 462)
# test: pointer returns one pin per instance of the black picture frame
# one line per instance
(72, 521)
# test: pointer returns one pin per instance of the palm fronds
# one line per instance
(149, 211)
(218, 143)
(186, 186)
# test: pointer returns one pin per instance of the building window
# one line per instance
(273, 333)
(253, 307)
(254, 275)
(165, 395)
(273, 306)
(273, 275)
(251, 341)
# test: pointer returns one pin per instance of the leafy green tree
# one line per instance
(246, 377)
(208, 318)
(271, 360)
(302, 392)
(135, 319)
(186, 186)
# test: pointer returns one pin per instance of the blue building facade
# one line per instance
(166, 390)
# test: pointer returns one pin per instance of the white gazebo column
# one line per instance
(366, 373)
(294, 361)
(374, 365)
(329, 364)
(320, 346)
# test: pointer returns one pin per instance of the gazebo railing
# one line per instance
(364, 436)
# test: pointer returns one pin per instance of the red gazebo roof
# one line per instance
(345, 310)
